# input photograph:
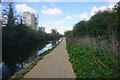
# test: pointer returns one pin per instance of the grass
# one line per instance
(21, 74)
(92, 62)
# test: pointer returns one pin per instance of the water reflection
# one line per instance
(14, 57)
(18, 57)
(47, 47)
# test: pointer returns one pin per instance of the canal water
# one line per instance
(16, 61)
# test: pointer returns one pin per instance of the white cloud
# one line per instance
(23, 7)
(60, 29)
(95, 9)
(68, 17)
(114, 0)
(48, 29)
(102, 8)
(44, 7)
(5, 16)
(61, 0)
(47, 23)
(60, 22)
(33, 0)
(41, 0)
(83, 16)
(51, 11)
(111, 5)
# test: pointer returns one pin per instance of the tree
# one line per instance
(79, 29)
(11, 18)
(9, 14)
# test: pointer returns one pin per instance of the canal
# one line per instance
(19, 57)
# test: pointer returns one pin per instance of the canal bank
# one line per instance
(41, 53)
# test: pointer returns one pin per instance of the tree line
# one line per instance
(20, 34)
(103, 23)
(19, 41)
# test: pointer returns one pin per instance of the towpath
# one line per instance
(54, 65)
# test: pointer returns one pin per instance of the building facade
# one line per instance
(30, 20)
(41, 28)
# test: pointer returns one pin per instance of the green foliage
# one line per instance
(69, 33)
(80, 29)
(22, 41)
(117, 12)
(21, 35)
(102, 23)
(99, 24)
(53, 36)
(19, 43)
(95, 62)
(11, 15)
(104, 37)
(91, 63)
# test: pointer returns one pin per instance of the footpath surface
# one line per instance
(54, 65)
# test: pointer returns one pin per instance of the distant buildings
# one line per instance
(30, 20)
(41, 28)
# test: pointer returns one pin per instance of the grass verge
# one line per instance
(92, 62)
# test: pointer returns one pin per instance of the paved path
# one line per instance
(54, 65)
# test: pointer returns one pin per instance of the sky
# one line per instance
(61, 16)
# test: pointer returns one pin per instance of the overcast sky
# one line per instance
(61, 15)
